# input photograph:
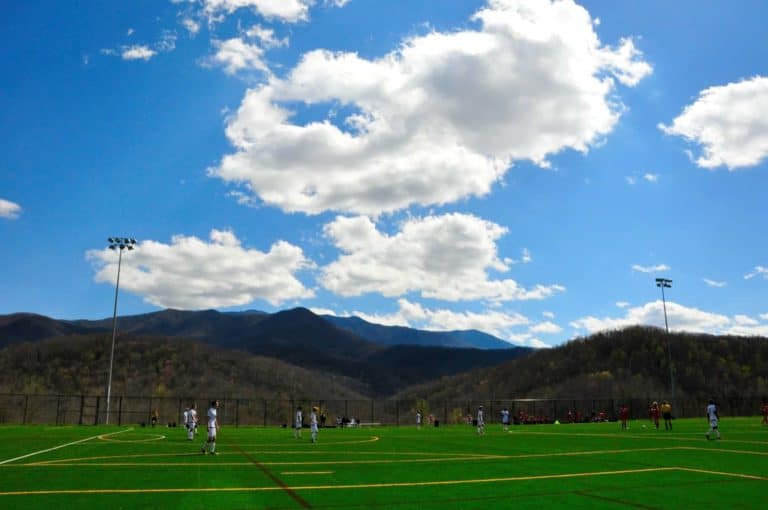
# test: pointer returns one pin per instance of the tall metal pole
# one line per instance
(114, 333)
(663, 301)
(662, 283)
(119, 244)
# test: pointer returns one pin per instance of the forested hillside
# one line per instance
(158, 366)
(619, 364)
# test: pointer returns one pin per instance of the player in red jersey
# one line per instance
(764, 409)
(624, 416)
(654, 412)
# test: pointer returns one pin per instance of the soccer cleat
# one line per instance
(214, 453)
(202, 450)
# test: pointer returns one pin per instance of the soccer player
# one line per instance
(185, 417)
(624, 416)
(714, 419)
(666, 413)
(313, 424)
(505, 419)
(764, 410)
(480, 421)
(654, 413)
(418, 419)
(298, 423)
(213, 427)
(191, 422)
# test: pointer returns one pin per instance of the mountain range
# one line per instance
(383, 359)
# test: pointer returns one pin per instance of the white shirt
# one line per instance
(313, 418)
(212, 417)
(479, 416)
(712, 412)
(186, 416)
(418, 418)
(299, 418)
(192, 416)
(504, 416)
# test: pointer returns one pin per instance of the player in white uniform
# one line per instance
(191, 423)
(185, 417)
(418, 419)
(714, 419)
(505, 419)
(480, 421)
(298, 422)
(213, 427)
(313, 424)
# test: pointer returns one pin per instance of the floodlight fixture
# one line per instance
(666, 283)
(119, 244)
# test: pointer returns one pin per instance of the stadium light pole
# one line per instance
(664, 283)
(119, 244)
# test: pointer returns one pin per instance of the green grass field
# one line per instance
(573, 466)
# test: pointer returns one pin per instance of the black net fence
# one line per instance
(168, 411)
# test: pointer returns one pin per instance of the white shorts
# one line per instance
(212, 432)
(297, 425)
(313, 427)
(713, 423)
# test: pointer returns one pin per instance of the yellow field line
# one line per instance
(307, 473)
(371, 439)
(649, 435)
(724, 473)
(261, 452)
(340, 487)
(722, 450)
(157, 437)
(459, 457)
(277, 463)
(8, 461)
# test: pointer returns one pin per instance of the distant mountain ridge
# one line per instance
(297, 336)
(401, 335)
(233, 326)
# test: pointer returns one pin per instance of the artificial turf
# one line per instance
(541, 466)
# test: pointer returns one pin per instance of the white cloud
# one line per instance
(323, 311)
(764, 316)
(745, 320)
(193, 274)
(129, 32)
(266, 36)
(137, 52)
(235, 55)
(441, 118)
(631, 180)
(758, 271)
(525, 258)
(714, 283)
(446, 257)
(681, 318)
(651, 177)
(548, 315)
(730, 122)
(659, 268)
(192, 26)
(410, 314)
(9, 210)
(622, 304)
(289, 11)
(549, 328)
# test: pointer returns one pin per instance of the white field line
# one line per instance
(62, 446)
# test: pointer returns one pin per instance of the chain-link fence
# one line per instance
(91, 410)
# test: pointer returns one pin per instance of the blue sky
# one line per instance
(526, 168)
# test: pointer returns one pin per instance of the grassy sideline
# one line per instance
(581, 466)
